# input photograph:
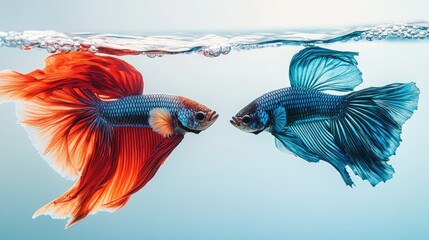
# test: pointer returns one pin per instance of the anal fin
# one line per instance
(134, 157)
(287, 140)
(319, 140)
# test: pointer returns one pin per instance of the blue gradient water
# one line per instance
(223, 183)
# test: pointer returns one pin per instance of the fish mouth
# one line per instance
(235, 122)
(213, 116)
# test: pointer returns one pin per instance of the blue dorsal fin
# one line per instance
(324, 69)
(279, 119)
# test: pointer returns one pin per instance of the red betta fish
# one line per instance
(89, 118)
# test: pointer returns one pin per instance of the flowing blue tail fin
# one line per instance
(369, 129)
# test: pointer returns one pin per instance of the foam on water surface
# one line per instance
(209, 45)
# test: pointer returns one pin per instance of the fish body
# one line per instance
(137, 111)
(360, 129)
(90, 120)
(301, 105)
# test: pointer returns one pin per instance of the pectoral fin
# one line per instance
(280, 119)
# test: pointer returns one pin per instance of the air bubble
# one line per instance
(384, 35)
(369, 37)
(92, 49)
(49, 41)
(211, 51)
(398, 31)
(43, 44)
(76, 46)
(308, 44)
(226, 50)
(9, 41)
(65, 48)
(51, 49)
(27, 44)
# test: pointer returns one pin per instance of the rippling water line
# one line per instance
(209, 45)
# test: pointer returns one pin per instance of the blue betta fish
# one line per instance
(360, 129)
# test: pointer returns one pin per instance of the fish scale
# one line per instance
(134, 110)
(302, 104)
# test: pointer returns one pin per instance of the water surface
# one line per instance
(209, 45)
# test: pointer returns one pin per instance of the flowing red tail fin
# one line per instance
(58, 105)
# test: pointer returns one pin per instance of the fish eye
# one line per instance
(246, 119)
(200, 116)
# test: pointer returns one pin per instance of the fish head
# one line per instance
(251, 119)
(195, 117)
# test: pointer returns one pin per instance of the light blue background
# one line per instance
(223, 183)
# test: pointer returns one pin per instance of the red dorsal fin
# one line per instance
(107, 77)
